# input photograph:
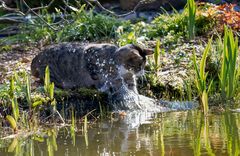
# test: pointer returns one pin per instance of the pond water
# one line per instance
(171, 133)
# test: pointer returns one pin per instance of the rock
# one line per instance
(152, 4)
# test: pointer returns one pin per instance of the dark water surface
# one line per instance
(171, 133)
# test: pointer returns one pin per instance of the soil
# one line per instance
(16, 58)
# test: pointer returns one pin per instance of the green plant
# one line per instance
(154, 64)
(131, 33)
(15, 108)
(165, 23)
(48, 86)
(200, 81)
(85, 130)
(203, 24)
(89, 26)
(191, 8)
(127, 38)
(52, 142)
(188, 89)
(12, 122)
(47, 80)
(72, 128)
(28, 90)
(229, 71)
(156, 56)
(79, 25)
(6, 48)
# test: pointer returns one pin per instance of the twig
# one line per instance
(88, 113)
(70, 7)
(5, 7)
(39, 16)
(86, 1)
(55, 111)
(60, 117)
(43, 7)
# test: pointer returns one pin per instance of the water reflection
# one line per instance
(175, 133)
(231, 133)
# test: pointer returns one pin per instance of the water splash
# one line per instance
(129, 100)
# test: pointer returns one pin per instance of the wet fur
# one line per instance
(102, 66)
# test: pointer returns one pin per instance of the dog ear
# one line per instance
(148, 51)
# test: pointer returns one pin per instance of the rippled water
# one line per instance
(170, 133)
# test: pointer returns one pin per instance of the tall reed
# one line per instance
(229, 70)
(15, 108)
(28, 90)
(201, 82)
(72, 129)
(191, 7)
(48, 86)
(156, 56)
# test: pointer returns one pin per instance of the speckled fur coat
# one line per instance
(103, 66)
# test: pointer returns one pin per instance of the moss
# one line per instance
(89, 93)
(85, 95)
(60, 93)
